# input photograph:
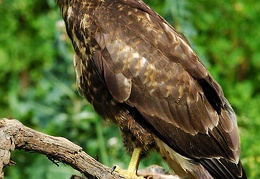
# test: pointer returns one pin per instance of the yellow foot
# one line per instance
(133, 165)
(126, 173)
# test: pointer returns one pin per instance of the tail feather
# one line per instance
(223, 169)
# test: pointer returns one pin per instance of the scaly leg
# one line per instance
(133, 165)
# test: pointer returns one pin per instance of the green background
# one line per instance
(37, 80)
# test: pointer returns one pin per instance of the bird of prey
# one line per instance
(140, 73)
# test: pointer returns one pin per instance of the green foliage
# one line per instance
(38, 83)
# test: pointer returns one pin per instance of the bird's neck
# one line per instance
(84, 6)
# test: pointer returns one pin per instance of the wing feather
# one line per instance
(189, 83)
(151, 67)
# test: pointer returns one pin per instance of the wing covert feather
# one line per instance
(161, 77)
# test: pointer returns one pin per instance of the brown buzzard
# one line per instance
(139, 72)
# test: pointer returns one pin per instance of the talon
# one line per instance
(115, 169)
(132, 168)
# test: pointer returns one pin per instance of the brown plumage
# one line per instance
(140, 73)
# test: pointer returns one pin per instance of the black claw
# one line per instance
(113, 169)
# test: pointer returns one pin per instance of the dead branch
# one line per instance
(14, 135)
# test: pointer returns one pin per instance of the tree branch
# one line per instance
(14, 135)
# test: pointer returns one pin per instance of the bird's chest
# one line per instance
(91, 84)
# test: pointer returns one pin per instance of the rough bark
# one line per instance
(14, 135)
